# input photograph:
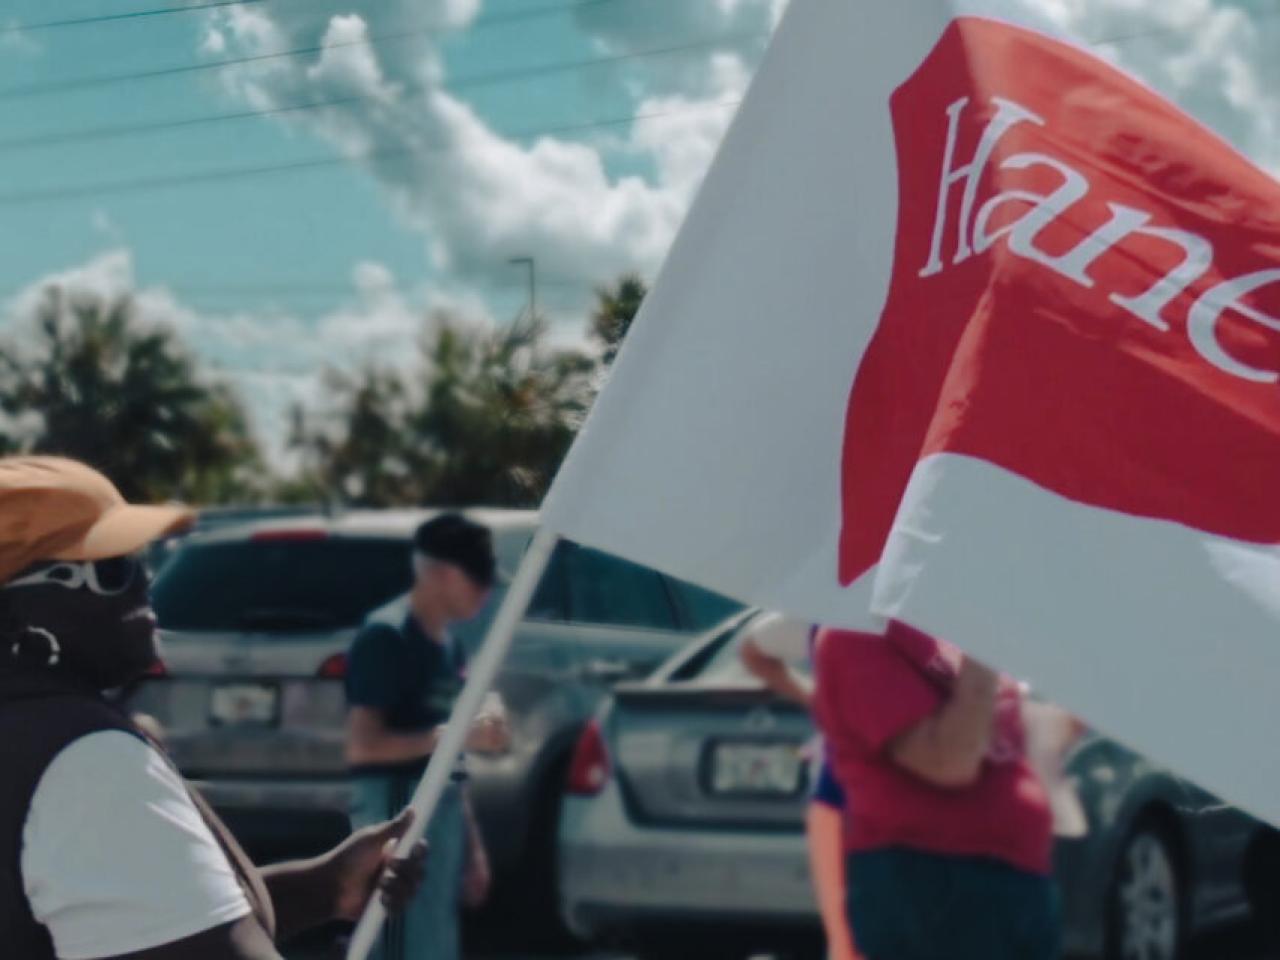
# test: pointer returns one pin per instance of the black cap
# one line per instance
(452, 538)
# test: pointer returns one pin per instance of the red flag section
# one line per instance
(1086, 292)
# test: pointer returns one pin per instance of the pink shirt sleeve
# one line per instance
(868, 691)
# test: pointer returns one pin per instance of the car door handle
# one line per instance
(607, 671)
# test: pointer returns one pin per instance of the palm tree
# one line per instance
(368, 458)
(487, 419)
(615, 308)
(499, 413)
(101, 386)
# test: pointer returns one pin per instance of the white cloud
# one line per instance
(15, 40)
(738, 29)
(373, 278)
(273, 359)
(347, 61)
(214, 43)
(1212, 57)
(106, 227)
(478, 198)
(684, 133)
(108, 275)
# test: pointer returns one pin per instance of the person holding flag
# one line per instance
(1018, 316)
(104, 851)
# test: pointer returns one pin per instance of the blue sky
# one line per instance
(273, 277)
(295, 236)
(432, 178)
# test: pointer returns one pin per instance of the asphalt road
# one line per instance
(1235, 944)
(1240, 943)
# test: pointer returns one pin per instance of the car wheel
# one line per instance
(538, 909)
(1261, 876)
(1145, 906)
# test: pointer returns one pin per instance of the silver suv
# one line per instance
(256, 621)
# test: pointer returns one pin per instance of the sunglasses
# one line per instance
(106, 578)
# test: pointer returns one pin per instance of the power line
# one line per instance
(130, 15)
(302, 288)
(496, 77)
(238, 173)
(79, 83)
(525, 73)
(102, 79)
(229, 295)
(63, 86)
(41, 25)
(109, 132)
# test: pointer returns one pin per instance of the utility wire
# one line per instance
(124, 186)
(130, 15)
(141, 184)
(109, 132)
(79, 83)
(42, 25)
(115, 131)
(206, 289)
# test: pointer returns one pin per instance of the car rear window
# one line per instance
(720, 661)
(280, 586)
(704, 608)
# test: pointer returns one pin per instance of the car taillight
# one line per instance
(334, 667)
(157, 669)
(589, 769)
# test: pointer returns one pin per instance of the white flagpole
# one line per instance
(484, 669)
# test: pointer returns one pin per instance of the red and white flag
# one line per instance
(969, 328)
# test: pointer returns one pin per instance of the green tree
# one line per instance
(359, 446)
(499, 413)
(486, 419)
(94, 382)
(615, 308)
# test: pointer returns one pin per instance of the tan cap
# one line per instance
(57, 509)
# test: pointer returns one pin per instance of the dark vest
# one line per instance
(39, 717)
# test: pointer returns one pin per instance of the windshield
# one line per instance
(279, 586)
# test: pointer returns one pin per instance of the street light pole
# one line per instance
(533, 283)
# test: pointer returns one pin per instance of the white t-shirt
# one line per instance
(115, 856)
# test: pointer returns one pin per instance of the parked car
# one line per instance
(256, 621)
(216, 518)
(685, 815)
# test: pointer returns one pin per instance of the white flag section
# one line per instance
(1082, 501)
(714, 451)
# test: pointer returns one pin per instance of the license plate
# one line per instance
(757, 769)
(244, 704)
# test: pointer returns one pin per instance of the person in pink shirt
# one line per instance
(950, 842)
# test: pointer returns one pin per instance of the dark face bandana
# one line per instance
(90, 621)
